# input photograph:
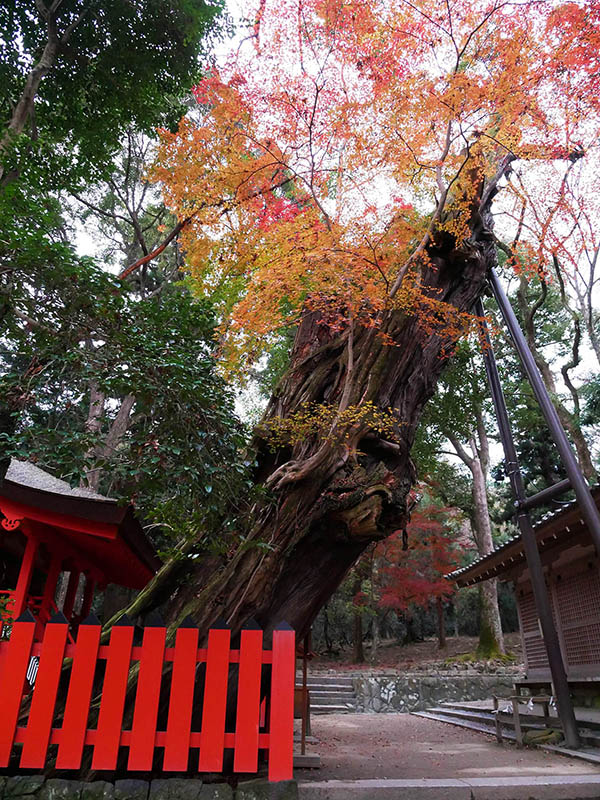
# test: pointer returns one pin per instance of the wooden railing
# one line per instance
(86, 685)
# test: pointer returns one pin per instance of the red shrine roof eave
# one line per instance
(106, 534)
(560, 528)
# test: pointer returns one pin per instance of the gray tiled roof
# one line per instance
(551, 515)
(27, 474)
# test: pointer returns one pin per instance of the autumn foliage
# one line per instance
(348, 173)
(412, 566)
(333, 143)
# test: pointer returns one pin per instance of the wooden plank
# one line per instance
(114, 688)
(12, 680)
(37, 737)
(248, 702)
(281, 730)
(179, 720)
(143, 729)
(85, 658)
(212, 741)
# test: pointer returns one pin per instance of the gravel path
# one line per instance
(355, 746)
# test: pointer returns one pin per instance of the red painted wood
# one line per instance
(73, 732)
(47, 604)
(248, 703)
(25, 573)
(281, 741)
(106, 530)
(179, 721)
(263, 713)
(12, 680)
(143, 730)
(39, 724)
(91, 737)
(114, 687)
(215, 701)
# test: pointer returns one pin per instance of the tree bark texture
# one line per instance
(441, 623)
(491, 638)
(331, 499)
(358, 653)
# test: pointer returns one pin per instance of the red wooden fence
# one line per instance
(119, 655)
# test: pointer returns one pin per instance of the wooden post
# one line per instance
(281, 728)
(517, 722)
(25, 573)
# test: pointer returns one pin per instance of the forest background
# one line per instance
(117, 371)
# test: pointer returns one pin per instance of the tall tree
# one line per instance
(75, 76)
(457, 415)
(341, 179)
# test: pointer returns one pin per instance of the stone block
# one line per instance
(176, 789)
(261, 789)
(2, 782)
(216, 791)
(98, 790)
(60, 789)
(20, 785)
(131, 789)
(385, 789)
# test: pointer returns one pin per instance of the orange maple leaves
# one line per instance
(323, 159)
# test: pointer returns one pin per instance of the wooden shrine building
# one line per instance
(572, 570)
(47, 529)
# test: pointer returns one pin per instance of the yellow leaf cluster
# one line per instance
(327, 424)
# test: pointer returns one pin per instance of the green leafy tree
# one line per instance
(75, 77)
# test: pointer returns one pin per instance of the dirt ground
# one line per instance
(359, 746)
(411, 656)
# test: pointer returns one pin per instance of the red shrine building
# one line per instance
(52, 534)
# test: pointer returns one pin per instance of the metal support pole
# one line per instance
(585, 500)
(546, 495)
(534, 562)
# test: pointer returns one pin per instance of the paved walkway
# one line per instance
(368, 746)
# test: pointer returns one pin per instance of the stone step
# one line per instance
(590, 736)
(340, 680)
(463, 723)
(330, 694)
(535, 787)
(317, 708)
(485, 719)
(590, 752)
(330, 687)
(333, 701)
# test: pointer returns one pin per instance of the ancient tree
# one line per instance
(338, 180)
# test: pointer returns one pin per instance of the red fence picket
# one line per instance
(130, 668)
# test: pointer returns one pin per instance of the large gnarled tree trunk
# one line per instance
(331, 499)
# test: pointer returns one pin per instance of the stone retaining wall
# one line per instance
(37, 787)
(418, 691)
